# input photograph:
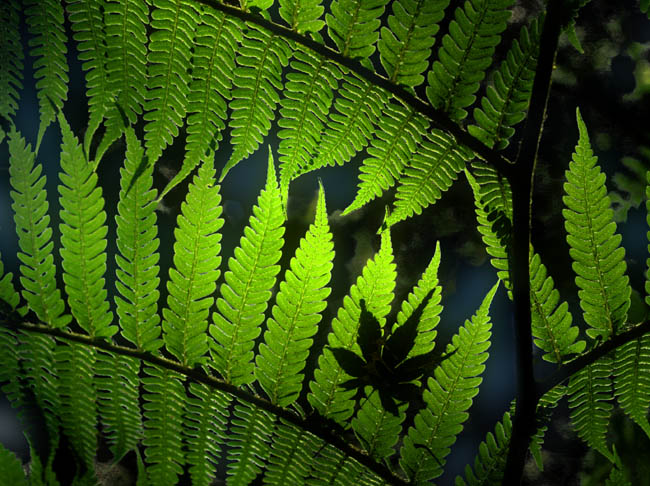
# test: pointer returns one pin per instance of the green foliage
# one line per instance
(237, 374)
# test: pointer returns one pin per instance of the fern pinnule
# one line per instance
(465, 54)
(426, 329)
(45, 20)
(296, 314)
(247, 287)
(506, 100)
(632, 380)
(204, 429)
(169, 58)
(304, 108)
(598, 258)
(496, 242)
(137, 257)
(377, 429)
(192, 279)
(75, 365)
(590, 397)
(375, 286)
(34, 234)
(258, 78)
(83, 238)
(125, 25)
(432, 170)
(213, 62)
(405, 45)
(11, 60)
(359, 105)
(248, 439)
(399, 132)
(353, 26)
(164, 397)
(491, 458)
(118, 392)
(302, 15)
(550, 322)
(448, 397)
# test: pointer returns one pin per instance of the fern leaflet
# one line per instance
(302, 297)
(248, 282)
(405, 47)
(292, 451)
(192, 280)
(174, 22)
(302, 15)
(11, 59)
(465, 54)
(11, 469)
(258, 78)
(598, 260)
(434, 167)
(448, 397)
(399, 132)
(45, 21)
(137, 261)
(34, 234)
(83, 239)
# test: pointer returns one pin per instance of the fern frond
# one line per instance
(405, 46)
(302, 297)
(375, 286)
(632, 380)
(545, 407)
(466, 52)
(137, 261)
(75, 368)
(491, 458)
(258, 78)
(174, 22)
(434, 167)
(590, 395)
(11, 469)
(359, 104)
(164, 397)
(192, 280)
(204, 429)
(506, 101)
(248, 440)
(11, 60)
(331, 466)
(262, 5)
(118, 392)
(34, 234)
(126, 46)
(8, 294)
(428, 283)
(213, 62)
(302, 15)
(377, 429)
(495, 238)
(83, 238)
(598, 259)
(399, 132)
(353, 25)
(304, 109)
(247, 288)
(448, 398)
(45, 21)
(550, 322)
(292, 451)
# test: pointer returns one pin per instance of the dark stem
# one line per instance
(438, 117)
(521, 181)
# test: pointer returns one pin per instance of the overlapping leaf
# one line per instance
(302, 297)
